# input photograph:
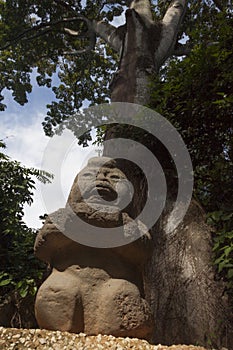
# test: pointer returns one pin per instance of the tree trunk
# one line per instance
(130, 83)
(188, 303)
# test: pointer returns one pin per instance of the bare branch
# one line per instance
(44, 28)
(143, 8)
(170, 26)
(185, 49)
(71, 32)
(90, 47)
(36, 35)
(90, 35)
(213, 43)
(175, 13)
(109, 34)
(76, 52)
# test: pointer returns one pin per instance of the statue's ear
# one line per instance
(75, 194)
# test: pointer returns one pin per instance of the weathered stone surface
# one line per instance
(95, 290)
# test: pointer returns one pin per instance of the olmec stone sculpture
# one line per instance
(95, 290)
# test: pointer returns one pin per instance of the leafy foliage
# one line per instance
(35, 34)
(20, 270)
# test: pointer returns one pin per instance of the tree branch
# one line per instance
(170, 26)
(175, 13)
(44, 28)
(90, 47)
(71, 32)
(143, 8)
(109, 34)
(185, 49)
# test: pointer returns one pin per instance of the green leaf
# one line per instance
(230, 274)
(19, 284)
(220, 259)
(34, 290)
(5, 282)
(23, 291)
(227, 217)
(228, 250)
(222, 265)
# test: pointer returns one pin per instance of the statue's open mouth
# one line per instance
(105, 191)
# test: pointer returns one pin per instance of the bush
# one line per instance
(20, 270)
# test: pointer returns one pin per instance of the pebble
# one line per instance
(41, 339)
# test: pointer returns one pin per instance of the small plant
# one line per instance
(223, 244)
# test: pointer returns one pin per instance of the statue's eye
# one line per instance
(115, 177)
(87, 174)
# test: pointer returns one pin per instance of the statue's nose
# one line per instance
(101, 176)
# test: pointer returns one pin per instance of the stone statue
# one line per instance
(95, 290)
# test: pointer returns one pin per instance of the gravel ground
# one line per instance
(41, 339)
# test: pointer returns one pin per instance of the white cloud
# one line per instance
(24, 136)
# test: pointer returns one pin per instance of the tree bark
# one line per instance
(189, 305)
(130, 83)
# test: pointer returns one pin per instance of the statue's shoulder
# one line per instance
(50, 239)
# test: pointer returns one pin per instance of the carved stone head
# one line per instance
(101, 182)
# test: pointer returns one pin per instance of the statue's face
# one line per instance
(106, 183)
